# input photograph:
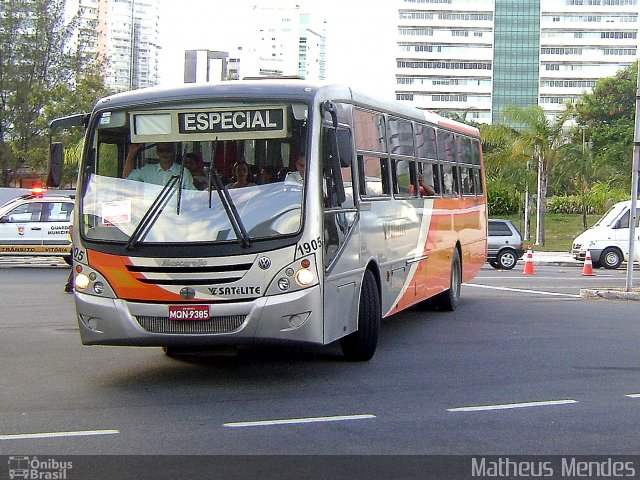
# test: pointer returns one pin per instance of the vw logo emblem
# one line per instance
(264, 263)
(187, 292)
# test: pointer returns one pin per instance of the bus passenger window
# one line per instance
(374, 176)
(369, 131)
(428, 179)
(477, 181)
(450, 182)
(446, 146)
(466, 175)
(403, 177)
(425, 141)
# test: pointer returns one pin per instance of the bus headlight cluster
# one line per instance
(300, 274)
(89, 281)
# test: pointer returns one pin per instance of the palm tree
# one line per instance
(533, 138)
(506, 167)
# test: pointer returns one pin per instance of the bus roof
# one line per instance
(275, 89)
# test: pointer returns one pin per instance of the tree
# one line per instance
(534, 140)
(40, 75)
(608, 115)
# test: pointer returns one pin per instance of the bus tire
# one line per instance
(360, 345)
(449, 299)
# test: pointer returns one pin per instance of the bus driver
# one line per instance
(158, 173)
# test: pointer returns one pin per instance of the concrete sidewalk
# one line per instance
(554, 258)
(565, 259)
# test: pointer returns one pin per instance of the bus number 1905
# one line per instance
(308, 247)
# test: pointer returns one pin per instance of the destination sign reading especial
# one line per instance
(228, 121)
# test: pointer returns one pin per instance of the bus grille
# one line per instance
(213, 325)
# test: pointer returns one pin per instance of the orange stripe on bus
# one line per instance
(125, 284)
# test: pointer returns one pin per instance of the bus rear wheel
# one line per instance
(360, 345)
(449, 299)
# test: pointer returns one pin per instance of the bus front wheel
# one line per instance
(360, 345)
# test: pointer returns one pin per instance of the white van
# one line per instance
(608, 239)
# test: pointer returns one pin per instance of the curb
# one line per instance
(611, 294)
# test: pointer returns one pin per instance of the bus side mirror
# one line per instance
(56, 159)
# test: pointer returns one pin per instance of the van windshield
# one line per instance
(610, 216)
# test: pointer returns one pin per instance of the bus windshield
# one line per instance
(211, 173)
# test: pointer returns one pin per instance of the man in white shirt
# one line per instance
(159, 173)
(297, 177)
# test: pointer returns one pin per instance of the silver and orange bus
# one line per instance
(388, 211)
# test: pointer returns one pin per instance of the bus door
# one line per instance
(341, 242)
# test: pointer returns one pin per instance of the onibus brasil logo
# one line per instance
(38, 469)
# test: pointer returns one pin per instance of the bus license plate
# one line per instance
(188, 312)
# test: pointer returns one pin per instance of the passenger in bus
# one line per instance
(196, 168)
(297, 177)
(426, 190)
(267, 174)
(241, 175)
(159, 173)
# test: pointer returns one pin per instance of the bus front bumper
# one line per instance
(295, 317)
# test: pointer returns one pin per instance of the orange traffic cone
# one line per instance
(528, 263)
(587, 268)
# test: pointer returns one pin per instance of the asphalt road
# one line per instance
(524, 366)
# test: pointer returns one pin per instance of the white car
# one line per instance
(37, 224)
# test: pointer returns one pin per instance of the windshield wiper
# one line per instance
(152, 214)
(180, 183)
(227, 201)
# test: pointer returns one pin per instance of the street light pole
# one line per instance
(634, 188)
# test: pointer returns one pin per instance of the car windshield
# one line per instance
(158, 183)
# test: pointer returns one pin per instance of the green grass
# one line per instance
(560, 230)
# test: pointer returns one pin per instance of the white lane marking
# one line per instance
(522, 290)
(633, 395)
(80, 433)
(603, 276)
(508, 406)
(289, 421)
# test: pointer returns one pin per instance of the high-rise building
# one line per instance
(516, 55)
(125, 34)
(271, 41)
(582, 41)
(287, 40)
(474, 56)
(445, 55)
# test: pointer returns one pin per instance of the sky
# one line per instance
(360, 37)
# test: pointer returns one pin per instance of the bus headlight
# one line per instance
(81, 282)
(304, 277)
